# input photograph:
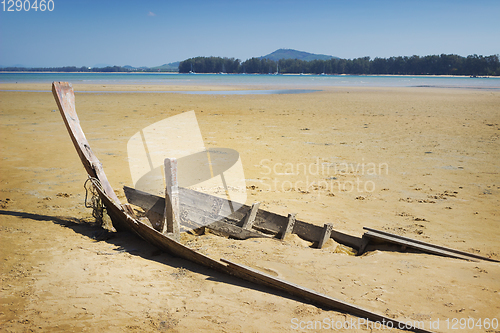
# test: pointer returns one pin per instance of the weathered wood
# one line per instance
(313, 233)
(256, 276)
(196, 209)
(65, 99)
(364, 244)
(327, 231)
(288, 228)
(128, 209)
(420, 247)
(268, 222)
(423, 246)
(146, 201)
(233, 231)
(250, 218)
(153, 205)
(172, 212)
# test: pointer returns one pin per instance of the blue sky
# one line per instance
(152, 33)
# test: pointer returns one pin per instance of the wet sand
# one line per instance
(419, 162)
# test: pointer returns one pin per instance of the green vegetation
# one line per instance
(444, 64)
(210, 65)
(164, 68)
(46, 69)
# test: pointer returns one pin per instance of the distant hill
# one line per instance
(131, 68)
(294, 54)
(171, 67)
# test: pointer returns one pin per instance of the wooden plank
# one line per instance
(313, 233)
(250, 218)
(364, 244)
(288, 229)
(256, 276)
(327, 231)
(420, 247)
(144, 200)
(233, 231)
(195, 206)
(425, 245)
(172, 212)
(65, 99)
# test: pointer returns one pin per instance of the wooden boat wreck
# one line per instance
(160, 225)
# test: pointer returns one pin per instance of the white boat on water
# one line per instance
(191, 71)
(223, 70)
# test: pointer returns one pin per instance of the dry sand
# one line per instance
(424, 163)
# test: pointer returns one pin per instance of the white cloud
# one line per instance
(151, 14)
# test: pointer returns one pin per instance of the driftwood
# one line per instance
(171, 216)
(382, 236)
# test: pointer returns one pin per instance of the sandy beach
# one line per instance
(418, 162)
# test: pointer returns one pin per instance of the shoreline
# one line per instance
(258, 74)
(216, 82)
(179, 88)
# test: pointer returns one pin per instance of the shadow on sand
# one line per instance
(130, 243)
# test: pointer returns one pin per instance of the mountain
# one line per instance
(132, 68)
(171, 67)
(294, 54)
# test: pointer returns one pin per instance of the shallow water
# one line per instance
(270, 81)
(193, 92)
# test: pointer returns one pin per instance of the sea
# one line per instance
(247, 81)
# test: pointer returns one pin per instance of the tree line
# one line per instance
(210, 65)
(74, 69)
(444, 64)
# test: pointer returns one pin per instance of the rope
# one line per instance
(94, 201)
